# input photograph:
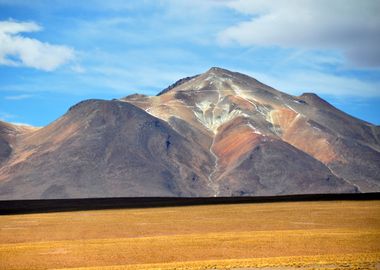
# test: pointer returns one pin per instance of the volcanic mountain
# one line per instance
(220, 133)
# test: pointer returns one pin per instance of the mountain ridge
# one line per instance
(219, 133)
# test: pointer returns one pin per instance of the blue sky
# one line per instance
(54, 54)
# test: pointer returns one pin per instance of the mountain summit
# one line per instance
(220, 133)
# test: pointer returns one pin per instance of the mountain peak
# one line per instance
(220, 133)
(218, 72)
(215, 72)
(314, 99)
(218, 69)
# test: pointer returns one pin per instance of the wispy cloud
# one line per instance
(4, 116)
(18, 50)
(18, 97)
(78, 68)
(348, 26)
(298, 82)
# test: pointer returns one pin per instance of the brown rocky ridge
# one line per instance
(220, 133)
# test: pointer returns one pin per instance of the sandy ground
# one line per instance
(309, 235)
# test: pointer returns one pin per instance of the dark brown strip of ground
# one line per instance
(59, 205)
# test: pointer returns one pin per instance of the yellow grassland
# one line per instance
(306, 235)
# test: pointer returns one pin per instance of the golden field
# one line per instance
(284, 235)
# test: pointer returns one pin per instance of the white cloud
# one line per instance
(18, 50)
(298, 82)
(349, 26)
(18, 97)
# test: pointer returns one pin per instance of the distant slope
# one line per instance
(103, 149)
(8, 137)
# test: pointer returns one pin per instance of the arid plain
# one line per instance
(281, 235)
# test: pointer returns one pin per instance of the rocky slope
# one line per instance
(220, 133)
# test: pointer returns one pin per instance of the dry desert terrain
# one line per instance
(281, 235)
